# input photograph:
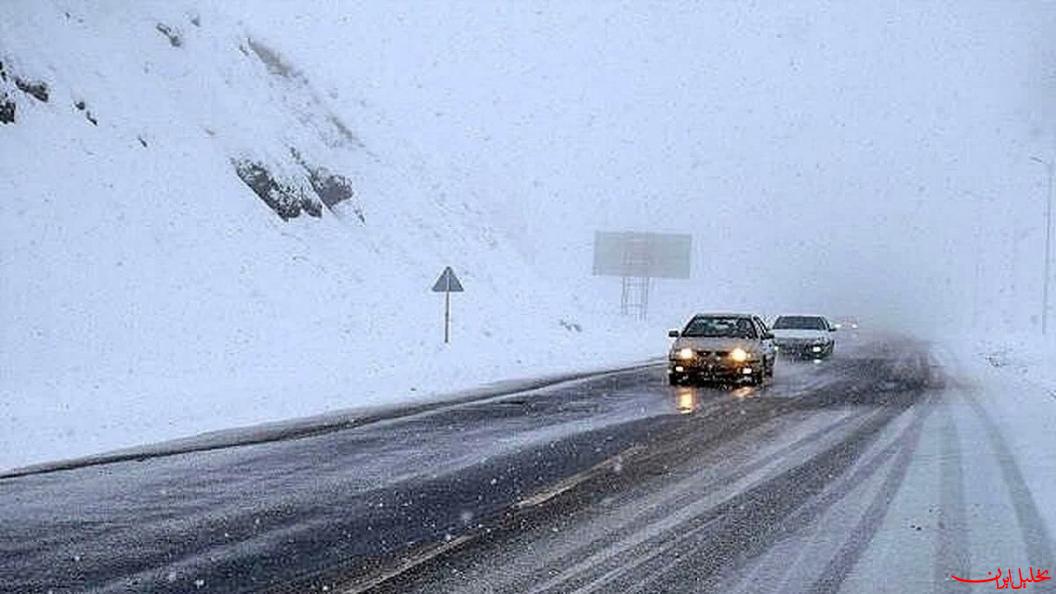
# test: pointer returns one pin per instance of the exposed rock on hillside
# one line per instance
(7, 110)
(172, 34)
(38, 89)
(332, 188)
(272, 60)
(83, 107)
(287, 200)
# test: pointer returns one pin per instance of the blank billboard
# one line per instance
(653, 255)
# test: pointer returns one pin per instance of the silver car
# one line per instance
(722, 347)
(804, 336)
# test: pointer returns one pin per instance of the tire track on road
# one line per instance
(752, 521)
(952, 546)
(613, 549)
(743, 532)
(1032, 527)
(843, 562)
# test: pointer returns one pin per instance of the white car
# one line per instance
(806, 336)
(722, 347)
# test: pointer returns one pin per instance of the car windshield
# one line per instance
(800, 323)
(719, 327)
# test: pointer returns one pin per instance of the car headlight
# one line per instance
(684, 354)
(739, 355)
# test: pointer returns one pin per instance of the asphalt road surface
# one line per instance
(854, 474)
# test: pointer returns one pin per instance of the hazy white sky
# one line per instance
(870, 147)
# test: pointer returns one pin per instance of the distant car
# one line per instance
(722, 347)
(804, 336)
(847, 323)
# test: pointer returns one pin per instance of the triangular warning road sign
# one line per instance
(448, 282)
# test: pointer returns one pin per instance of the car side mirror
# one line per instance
(833, 329)
(768, 336)
(673, 333)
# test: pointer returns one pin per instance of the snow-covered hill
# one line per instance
(195, 233)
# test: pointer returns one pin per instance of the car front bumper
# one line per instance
(804, 350)
(713, 370)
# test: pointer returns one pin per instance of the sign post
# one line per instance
(447, 283)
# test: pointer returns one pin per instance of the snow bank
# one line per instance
(1030, 355)
(149, 292)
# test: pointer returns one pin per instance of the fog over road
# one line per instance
(825, 479)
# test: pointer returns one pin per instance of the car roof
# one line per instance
(724, 315)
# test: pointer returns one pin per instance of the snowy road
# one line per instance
(832, 478)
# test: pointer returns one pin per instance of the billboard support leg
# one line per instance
(625, 295)
(644, 308)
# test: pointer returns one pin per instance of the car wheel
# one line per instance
(770, 368)
(675, 380)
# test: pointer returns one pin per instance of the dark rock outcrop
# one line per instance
(7, 110)
(332, 188)
(82, 106)
(38, 89)
(172, 34)
(287, 200)
(272, 60)
(570, 326)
